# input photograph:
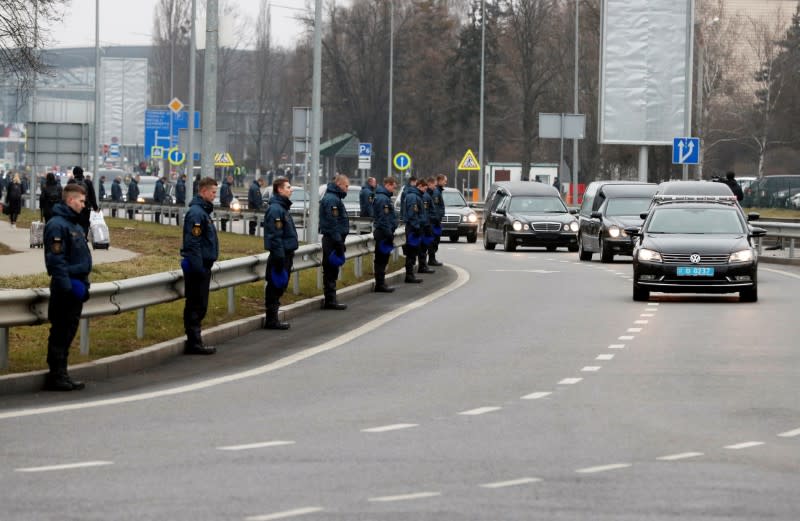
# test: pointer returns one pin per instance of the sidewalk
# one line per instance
(30, 261)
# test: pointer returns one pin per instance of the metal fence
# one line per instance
(785, 232)
(25, 307)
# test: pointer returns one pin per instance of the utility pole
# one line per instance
(97, 99)
(191, 109)
(575, 159)
(483, 68)
(210, 89)
(316, 123)
(391, 89)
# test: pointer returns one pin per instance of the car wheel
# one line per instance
(487, 245)
(552, 248)
(749, 294)
(472, 238)
(606, 255)
(454, 238)
(583, 254)
(640, 294)
(508, 243)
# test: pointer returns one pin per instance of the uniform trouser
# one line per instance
(64, 313)
(131, 214)
(273, 294)
(158, 217)
(330, 273)
(411, 253)
(113, 212)
(381, 259)
(251, 225)
(194, 312)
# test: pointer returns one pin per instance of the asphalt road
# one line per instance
(519, 386)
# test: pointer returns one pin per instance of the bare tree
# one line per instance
(170, 65)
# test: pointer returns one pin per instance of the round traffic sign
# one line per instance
(175, 156)
(402, 161)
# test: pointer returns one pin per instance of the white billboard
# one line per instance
(645, 71)
(124, 95)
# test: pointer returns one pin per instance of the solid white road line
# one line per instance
(626, 337)
(569, 381)
(591, 368)
(535, 396)
(617, 346)
(404, 497)
(389, 428)
(634, 330)
(641, 321)
(512, 483)
(260, 445)
(461, 279)
(790, 434)
(479, 411)
(284, 515)
(682, 455)
(745, 445)
(67, 466)
(603, 468)
(604, 357)
(781, 272)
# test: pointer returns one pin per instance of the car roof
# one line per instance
(693, 188)
(525, 188)
(696, 204)
(629, 190)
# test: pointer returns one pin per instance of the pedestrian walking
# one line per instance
(13, 206)
(733, 184)
(412, 210)
(280, 239)
(334, 225)
(255, 202)
(133, 194)
(384, 225)
(51, 195)
(69, 263)
(200, 251)
(91, 199)
(366, 197)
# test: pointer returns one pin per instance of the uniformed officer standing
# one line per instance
(116, 193)
(180, 190)
(280, 238)
(366, 197)
(159, 195)
(133, 194)
(255, 202)
(427, 229)
(334, 226)
(69, 262)
(438, 211)
(225, 199)
(200, 251)
(384, 225)
(412, 182)
(412, 210)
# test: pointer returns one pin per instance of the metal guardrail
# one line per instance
(780, 230)
(25, 307)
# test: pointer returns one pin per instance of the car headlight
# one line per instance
(741, 256)
(574, 226)
(235, 206)
(614, 231)
(517, 226)
(473, 218)
(140, 199)
(649, 255)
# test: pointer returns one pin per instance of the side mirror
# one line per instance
(757, 232)
(633, 231)
(643, 215)
(596, 215)
(753, 217)
(574, 211)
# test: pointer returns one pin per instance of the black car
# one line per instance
(607, 209)
(527, 214)
(695, 247)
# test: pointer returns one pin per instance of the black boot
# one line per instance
(410, 278)
(433, 262)
(60, 381)
(380, 284)
(331, 303)
(271, 321)
(198, 348)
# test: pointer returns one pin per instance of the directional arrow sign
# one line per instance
(685, 151)
(402, 161)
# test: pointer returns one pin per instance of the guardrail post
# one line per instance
(140, 323)
(358, 266)
(760, 246)
(791, 248)
(3, 348)
(231, 300)
(319, 278)
(84, 327)
(296, 282)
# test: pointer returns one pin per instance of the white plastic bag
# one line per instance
(96, 217)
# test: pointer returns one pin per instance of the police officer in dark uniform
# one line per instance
(116, 194)
(200, 251)
(225, 199)
(438, 211)
(180, 190)
(255, 202)
(412, 209)
(412, 183)
(159, 196)
(427, 228)
(69, 262)
(133, 194)
(280, 238)
(334, 226)
(366, 197)
(384, 225)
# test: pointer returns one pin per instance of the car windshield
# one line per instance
(627, 206)
(454, 199)
(695, 221)
(298, 195)
(530, 204)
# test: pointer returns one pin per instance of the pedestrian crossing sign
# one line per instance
(157, 152)
(223, 159)
(469, 161)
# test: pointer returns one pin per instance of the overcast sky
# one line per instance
(130, 22)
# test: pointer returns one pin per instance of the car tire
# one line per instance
(606, 255)
(454, 238)
(749, 294)
(472, 238)
(487, 245)
(552, 248)
(583, 254)
(508, 243)
(640, 294)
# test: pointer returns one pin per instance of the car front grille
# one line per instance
(451, 219)
(546, 227)
(684, 259)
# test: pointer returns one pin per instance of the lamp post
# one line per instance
(190, 138)
(483, 68)
(575, 159)
(316, 122)
(97, 101)
(391, 88)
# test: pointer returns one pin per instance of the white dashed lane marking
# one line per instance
(604, 357)
(634, 330)
(286, 514)
(591, 368)
(646, 315)
(682, 455)
(67, 466)
(260, 445)
(511, 483)
(745, 445)
(389, 428)
(479, 411)
(626, 337)
(603, 468)
(404, 497)
(569, 381)
(641, 322)
(536, 396)
(617, 346)
(790, 434)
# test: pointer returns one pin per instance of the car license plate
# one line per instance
(695, 271)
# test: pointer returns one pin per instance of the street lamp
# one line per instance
(391, 87)
(480, 132)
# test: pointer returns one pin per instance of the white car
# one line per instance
(794, 201)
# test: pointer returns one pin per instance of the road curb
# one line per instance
(155, 355)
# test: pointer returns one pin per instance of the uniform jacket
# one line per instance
(66, 252)
(438, 205)
(333, 220)
(225, 195)
(255, 201)
(385, 220)
(102, 194)
(427, 208)
(413, 208)
(159, 192)
(365, 198)
(133, 191)
(280, 235)
(116, 191)
(180, 191)
(200, 244)
(403, 195)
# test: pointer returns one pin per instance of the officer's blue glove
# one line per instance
(280, 277)
(335, 259)
(437, 230)
(78, 289)
(385, 247)
(413, 239)
(186, 265)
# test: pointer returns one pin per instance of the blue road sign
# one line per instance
(686, 151)
(365, 150)
(402, 161)
(156, 129)
(113, 150)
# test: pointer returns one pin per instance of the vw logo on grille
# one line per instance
(694, 258)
